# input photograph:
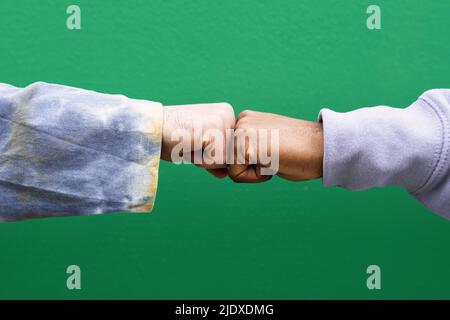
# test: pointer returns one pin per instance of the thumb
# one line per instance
(247, 173)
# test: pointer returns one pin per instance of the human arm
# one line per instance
(68, 151)
(365, 148)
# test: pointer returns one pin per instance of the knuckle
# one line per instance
(246, 113)
(226, 112)
(244, 124)
(227, 107)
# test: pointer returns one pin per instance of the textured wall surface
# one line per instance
(209, 238)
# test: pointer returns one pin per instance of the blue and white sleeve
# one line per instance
(68, 151)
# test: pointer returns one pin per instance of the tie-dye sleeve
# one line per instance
(68, 151)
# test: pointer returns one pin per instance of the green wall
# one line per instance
(209, 238)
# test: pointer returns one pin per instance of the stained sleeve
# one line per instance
(68, 151)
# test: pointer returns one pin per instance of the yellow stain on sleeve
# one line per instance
(154, 127)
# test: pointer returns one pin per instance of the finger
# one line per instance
(247, 174)
(211, 166)
(244, 114)
(218, 173)
(206, 161)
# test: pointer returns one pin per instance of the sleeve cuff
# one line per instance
(149, 121)
(379, 146)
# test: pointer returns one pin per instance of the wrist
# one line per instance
(317, 150)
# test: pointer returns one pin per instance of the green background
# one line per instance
(209, 238)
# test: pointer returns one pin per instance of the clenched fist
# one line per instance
(195, 132)
(299, 147)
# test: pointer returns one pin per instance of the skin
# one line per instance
(300, 148)
(199, 117)
(300, 142)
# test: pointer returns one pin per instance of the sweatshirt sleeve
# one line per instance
(68, 151)
(381, 146)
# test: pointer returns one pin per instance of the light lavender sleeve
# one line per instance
(381, 146)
